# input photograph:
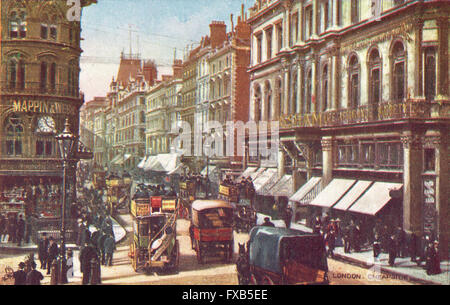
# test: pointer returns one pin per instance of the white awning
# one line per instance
(305, 189)
(142, 163)
(257, 173)
(153, 164)
(169, 162)
(247, 172)
(210, 168)
(116, 159)
(353, 194)
(283, 187)
(333, 192)
(376, 197)
(265, 180)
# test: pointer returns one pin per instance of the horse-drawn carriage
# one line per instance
(244, 217)
(282, 256)
(118, 194)
(211, 229)
(154, 244)
(190, 190)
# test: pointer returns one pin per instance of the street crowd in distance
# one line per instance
(383, 239)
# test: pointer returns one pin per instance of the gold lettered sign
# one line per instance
(48, 107)
(169, 204)
(224, 190)
(142, 209)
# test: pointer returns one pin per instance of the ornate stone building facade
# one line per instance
(361, 92)
(39, 89)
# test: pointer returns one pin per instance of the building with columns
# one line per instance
(361, 91)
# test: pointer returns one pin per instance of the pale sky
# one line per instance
(158, 27)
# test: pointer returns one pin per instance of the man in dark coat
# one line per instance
(108, 248)
(52, 253)
(42, 250)
(267, 222)
(2, 227)
(413, 244)
(12, 229)
(20, 276)
(433, 262)
(288, 216)
(20, 230)
(331, 242)
(376, 247)
(392, 250)
(34, 277)
(86, 255)
(100, 246)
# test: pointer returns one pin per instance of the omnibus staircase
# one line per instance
(165, 238)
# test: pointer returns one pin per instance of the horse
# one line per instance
(243, 266)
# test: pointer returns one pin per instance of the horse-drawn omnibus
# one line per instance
(211, 229)
(118, 194)
(154, 244)
(283, 256)
(190, 190)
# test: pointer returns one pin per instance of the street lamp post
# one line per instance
(66, 141)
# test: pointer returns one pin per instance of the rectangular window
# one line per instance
(279, 37)
(44, 31)
(53, 32)
(258, 49)
(326, 12)
(48, 148)
(354, 11)
(39, 148)
(269, 43)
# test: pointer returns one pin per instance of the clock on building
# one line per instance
(46, 124)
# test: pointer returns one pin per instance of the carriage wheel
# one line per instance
(134, 260)
(253, 280)
(267, 281)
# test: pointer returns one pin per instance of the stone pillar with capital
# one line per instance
(436, 141)
(328, 144)
(412, 181)
(286, 88)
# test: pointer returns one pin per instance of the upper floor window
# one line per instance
(279, 37)
(269, 43)
(398, 71)
(374, 77)
(430, 74)
(16, 73)
(353, 81)
(326, 15)
(308, 24)
(308, 93)
(14, 128)
(18, 24)
(398, 2)
(325, 88)
(259, 48)
(354, 11)
(49, 29)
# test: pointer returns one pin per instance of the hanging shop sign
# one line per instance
(429, 205)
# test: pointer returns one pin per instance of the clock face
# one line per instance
(46, 124)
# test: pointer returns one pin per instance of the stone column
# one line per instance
(327, 160)
(335, 80)
(443, 58)
(437, 141)
(412, 183)
(300, 85)
(335, 17)
(314, 82)
(286, 88)
(281, 160)
(418, 86)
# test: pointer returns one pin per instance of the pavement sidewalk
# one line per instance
(403, 269)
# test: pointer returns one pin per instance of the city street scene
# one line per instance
(224, 142)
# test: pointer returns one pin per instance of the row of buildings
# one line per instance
(361, 93)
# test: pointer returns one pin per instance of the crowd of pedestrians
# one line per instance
(393, 241)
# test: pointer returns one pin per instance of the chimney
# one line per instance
(177, 68)
(218, 31)
(150, 72)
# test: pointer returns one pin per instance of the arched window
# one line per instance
(52, 74)
(279, 97)
(268, 93)
(72, 81)
(398, 72)
(430, 74)
(43, 78)
(308, 93)
(374, 77)
(257, 103)
(17, 24)
(353, 81)
(14, 136)
(325, 88)
(294, 92)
